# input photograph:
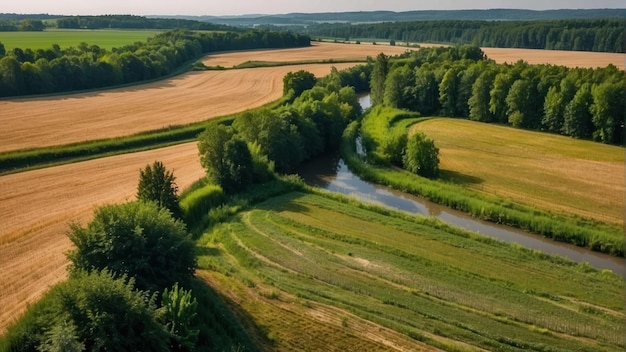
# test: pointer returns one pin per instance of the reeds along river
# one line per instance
(331, 173)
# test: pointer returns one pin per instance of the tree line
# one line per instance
(136, 22)
(25, 25)
(26, 71)
(602, 35)
(459, 82)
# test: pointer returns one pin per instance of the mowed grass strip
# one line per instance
(105, 39)
(556, 173)
(325, 261)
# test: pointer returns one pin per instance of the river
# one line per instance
(332, 174)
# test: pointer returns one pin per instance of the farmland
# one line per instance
(577, 177)
(106, 39)
(36, 206)
(368, 280)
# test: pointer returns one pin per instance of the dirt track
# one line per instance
(36, 206)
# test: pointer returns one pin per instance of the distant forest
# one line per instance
(603, 35)
(12, 22)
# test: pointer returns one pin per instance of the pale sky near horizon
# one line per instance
(239, 7)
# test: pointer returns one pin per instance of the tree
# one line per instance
(554, 105)
(379, 75)
(479, 101)
(608, 110)
(178, 312)
(136, 239)
(427, 91)
(298, 82)
(421, 156)
(108, 312)
(3, 51)
(448, 92)
(156, 184)
(497, 101)
(226, 157)
(400, 90)
(577, 118)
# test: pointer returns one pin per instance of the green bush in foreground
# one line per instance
(421, 156)
(136, 239)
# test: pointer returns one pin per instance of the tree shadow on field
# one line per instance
(459, 178)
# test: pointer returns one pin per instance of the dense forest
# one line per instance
(459, 82)
(129, 21)
(14, 23)
(26, 71)
(604, 35)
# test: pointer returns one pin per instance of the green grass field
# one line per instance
(317, 272)
(563, 175)
(105, 39)
(556, 173)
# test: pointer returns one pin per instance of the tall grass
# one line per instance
(314, 254)
(560, 228)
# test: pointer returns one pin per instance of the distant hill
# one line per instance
(390, 16)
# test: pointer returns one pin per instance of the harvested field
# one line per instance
(317, 51)
(552, 172)
(191, 97)
(36, 206)
(556, 57)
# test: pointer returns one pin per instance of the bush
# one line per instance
(136, 239)
(156, 184)
(196, 205)
(421, 156)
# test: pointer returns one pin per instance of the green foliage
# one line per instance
(379, 76)
(62, 337)
(91, 311)
(196, 204)
(609, 111)
(588, 34)
(136, 239)
(394, 146)
(298, 81)
(178, 313)
(577, 117)
(421, 156)
(157, 184)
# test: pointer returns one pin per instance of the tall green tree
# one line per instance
(157, 184)
(449, 92)
(298, 81)
(379, 76)
(400, 90)
(498, 94)
(609, 104)
(577, 121)
(136, 239)
(421, 156)
(479, 101)
(427, 91)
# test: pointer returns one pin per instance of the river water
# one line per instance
(332, 174)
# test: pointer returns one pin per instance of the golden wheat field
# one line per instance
(36, 206)
(556, 57)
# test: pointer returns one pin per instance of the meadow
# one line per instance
(106, 39)
(37, 205)
(376, 280)
(557, 173)
(516, 203)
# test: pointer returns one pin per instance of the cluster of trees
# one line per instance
(604, 35)
(126, 289)
(25, 25)
(26, 71)
(136, 22)
(280, 139)
(578, 102)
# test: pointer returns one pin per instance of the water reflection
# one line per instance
(332, 174)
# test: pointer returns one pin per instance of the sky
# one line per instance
(239, 7)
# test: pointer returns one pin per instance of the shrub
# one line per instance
(421, 156)
(136, 239)
(196, 205)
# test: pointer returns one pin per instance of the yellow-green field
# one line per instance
(551, 172)
(309, 272)
(105, 39)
